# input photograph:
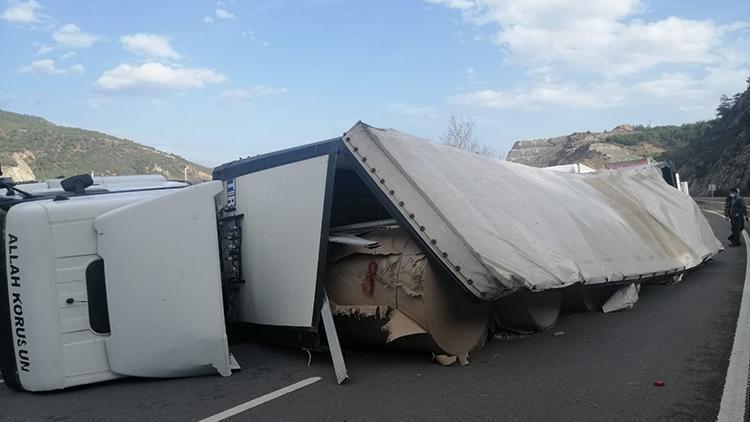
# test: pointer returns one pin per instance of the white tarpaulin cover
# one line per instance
(501, 226)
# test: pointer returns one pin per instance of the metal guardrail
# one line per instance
(711, 204)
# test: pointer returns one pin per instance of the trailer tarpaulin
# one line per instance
(499, 226)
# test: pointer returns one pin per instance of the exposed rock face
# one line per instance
(536, 152)
(589, 148)
(709, 152)
(18, 168)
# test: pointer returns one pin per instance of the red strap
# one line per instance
(368, 284)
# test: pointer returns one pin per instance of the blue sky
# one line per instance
(216, 80)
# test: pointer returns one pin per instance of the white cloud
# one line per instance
(668, 85)
(597, 54)
(43, 50)
(77, 68)
(563, 95)
(208, 19)
(267, 90)
(150, 46)
(682, 90)
(690, 92)
(149, 77)
(49, 67)
(485, 98)
(603, 38)
(44, 65)
(224, 14)
(68, 55)
(252, 37)
(71, 36)
(22, 12)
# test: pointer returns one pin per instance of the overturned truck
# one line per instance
(405, 242)
(425, 246)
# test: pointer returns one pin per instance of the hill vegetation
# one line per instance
(33, 148)
(721, 154)
(668, 137)
(715, 151)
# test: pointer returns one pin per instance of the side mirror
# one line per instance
(77, 184)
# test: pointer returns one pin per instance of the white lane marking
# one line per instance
(735, 387)
(260, 400)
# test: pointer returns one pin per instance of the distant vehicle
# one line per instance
(571, 168)
(667, 169)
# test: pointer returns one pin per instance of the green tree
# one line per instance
(725, 104)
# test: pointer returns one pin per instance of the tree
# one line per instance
(460, 134)
(725, 104)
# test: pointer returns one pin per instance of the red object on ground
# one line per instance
(368, 284)
(659, 383)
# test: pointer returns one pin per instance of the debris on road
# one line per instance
(623, 299)
(445, 360)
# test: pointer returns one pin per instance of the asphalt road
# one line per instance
(590, 366)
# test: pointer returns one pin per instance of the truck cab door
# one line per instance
(163, 285)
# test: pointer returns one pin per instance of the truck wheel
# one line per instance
(586, 298)
(529, 311)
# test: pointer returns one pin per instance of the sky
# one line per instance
(213, 81)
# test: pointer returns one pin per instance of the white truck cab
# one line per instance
(160, 311)
(108, 183)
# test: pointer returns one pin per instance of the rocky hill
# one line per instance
(721, 153)
(715, 151)
(32, 148)
(590, 148)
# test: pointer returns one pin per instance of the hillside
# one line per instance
(715, 151)
(32, 148)
(591, 148)
(721, 154)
